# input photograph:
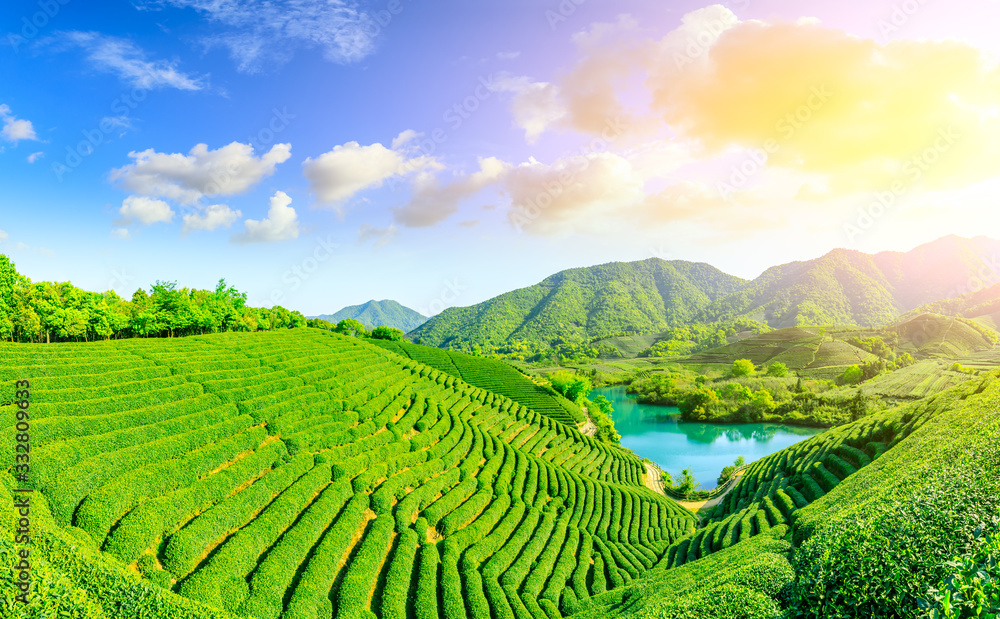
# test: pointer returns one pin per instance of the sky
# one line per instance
(318, 154)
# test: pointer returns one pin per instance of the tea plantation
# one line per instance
(304, 474)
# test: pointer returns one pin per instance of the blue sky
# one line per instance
(319, 154)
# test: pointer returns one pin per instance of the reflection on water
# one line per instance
(658, 433)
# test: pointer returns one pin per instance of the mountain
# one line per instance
(851, 287)
(585, 303)
(385, 313)
(844, 287)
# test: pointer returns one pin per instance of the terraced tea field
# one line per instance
(303, 474)
(494, 375)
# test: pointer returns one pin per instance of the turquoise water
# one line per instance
(657, 433)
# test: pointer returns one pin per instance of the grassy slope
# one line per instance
(244, 470)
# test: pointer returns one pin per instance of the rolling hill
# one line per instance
(852, 288)
(385, 313)
(844, 287)
(580, 304)
(300, 474)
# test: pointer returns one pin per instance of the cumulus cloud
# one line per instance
(33, 157)
(210, 218)
(281, 223)
(571, 193)
(120, 233)
(432, 202)
(349, 168)
(3, 236)
(146, 211)
(863, 113)
(264, 33)
(128, 61)
(225, 171)
(15, 129)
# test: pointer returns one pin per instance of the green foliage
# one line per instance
(572, 386)
(743, 367)
(972, 589)
(387, 333)
(852, 375)
(61, 312)
(777, 369)
(351, 327)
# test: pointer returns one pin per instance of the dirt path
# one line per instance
(654, 478)
(588, 428)
(697, 506)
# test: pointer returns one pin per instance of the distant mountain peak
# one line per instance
(384, 313)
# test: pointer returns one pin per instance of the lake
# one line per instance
(705, 448)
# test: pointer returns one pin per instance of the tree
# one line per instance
(387, 333)
(688, 482)
(777, 369)
(570, 385)
(743, 367)
(852, 375)
(349, 326)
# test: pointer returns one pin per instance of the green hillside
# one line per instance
(385, 313)
(860, 521)
(301, 473)
(581, 304)
(799, 348)
(850, 287)
(493, 375)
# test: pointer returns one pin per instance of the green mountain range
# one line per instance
(580, 304)
(844, 287)
(385, 313)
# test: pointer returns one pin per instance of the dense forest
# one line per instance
(53, 312)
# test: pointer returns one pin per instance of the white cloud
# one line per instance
(404, 138)
(349, 168)
(575, 192)
(381, 236)
(262, 33)
(33, 157)
(15, 129)
(3, 236)
(146, 211)
(226, 171)
(432, 202)
(128, 61)
(536, 105)
(120, 233)
(210, 218)
(281, 223)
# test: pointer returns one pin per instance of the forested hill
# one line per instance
(385, 313)
(850, 287)
(51, 311)
(579, 304)
(843, 287)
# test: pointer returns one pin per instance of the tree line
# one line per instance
(61, 312)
